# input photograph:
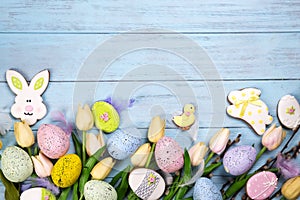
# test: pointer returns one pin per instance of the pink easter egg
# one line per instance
(168, 155)
(52, 141)
(261, 185)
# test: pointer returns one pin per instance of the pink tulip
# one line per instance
(218, 142)
(42, 165)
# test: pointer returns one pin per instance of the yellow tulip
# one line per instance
(84, 118)
(94, 142)
(218, 142)
(139, 158)
(102, 168)
(156, 129)
(42, 165)
(273, 137)
(23, 133)
(291, 188)
(197, 153)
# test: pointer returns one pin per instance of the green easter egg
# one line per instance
(106, 117)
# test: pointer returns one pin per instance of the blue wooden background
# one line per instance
(250, 44)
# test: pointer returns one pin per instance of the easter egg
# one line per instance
(288, 111)
(205, 189)
(16, 164)
(146, 183)
(168, 155)
(106, 116)
(239, 160)
(261, 185)
(124, 142)
(37, 193)
(53, 141)
(66, 170)
(95, 190)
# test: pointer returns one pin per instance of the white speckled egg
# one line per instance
(53, 141)
(239, 160)
(146, 183)
(205, 189)
(37, 193)
(168, 155)
(16, 164)
(95, 190)
(124, 142)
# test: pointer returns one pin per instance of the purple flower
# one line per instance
(119, 104)
(62, 122)
(39, 182)
(288, 168)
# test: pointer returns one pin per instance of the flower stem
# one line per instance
(29, 151)
(83, 147)
(209, 157)
(150, 155)
(262, 151)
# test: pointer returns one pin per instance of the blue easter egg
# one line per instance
(124, 142)
(205, 189)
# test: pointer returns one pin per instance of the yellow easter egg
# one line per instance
(66, 170)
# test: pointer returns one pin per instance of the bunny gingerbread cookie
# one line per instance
(28, 104)
(247, 106)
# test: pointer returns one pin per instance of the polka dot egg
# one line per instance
(205, 189)
(124, 142)
(95, 190)
(66, 170)
(16, 164)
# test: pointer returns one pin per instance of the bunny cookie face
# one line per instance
(248, 107)
(28, 102)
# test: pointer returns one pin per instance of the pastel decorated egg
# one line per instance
(288, 111)
(53, 141)
(168, 155)
(95, 190)
(205, 189)
(124, 142)
(239, 160)
(66, 170)
(37, 193)
(106, 116)
(261, 185)
(146, 183)
(16, 164)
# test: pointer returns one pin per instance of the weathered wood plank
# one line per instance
(120, 16)
(153, 56)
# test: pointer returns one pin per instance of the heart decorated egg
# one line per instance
(239, 160)
(168, 155)
(37, 193)
(205, 189)
(95, 190)
(53, 141)
(16, 164)
(146, 183)
(124, 142)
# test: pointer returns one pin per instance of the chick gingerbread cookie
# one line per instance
(186, 119)
(247, 106)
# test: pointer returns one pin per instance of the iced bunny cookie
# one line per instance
(247, 106)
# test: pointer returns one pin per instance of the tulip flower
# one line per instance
(139, 158)
(291, 188)
(156, 129)
(273, 137)
(23, 133)
(102, 168)
(218, 142)
(197, 153)
(42, 165)
(94, 142)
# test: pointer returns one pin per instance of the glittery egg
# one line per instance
(168, 155)
(16, 164)
(106, 116)
(205, 189)
(66, 170)
(52, 141)
(94, 190)
(37, 193)
(239, 160)
(124, 142)
(146, 183)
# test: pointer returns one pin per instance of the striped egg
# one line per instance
(66, 170)
(16, 164)
(95, 189)
(52, 141)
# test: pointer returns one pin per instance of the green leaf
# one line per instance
(11, 192)
(16, 82)
(39, 83)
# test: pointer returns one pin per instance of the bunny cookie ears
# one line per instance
(29, 104)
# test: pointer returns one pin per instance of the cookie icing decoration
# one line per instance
(288, 111)
(246, 105)
(29, 104)
(186, 119)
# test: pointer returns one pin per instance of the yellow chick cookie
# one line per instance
(187, 118)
